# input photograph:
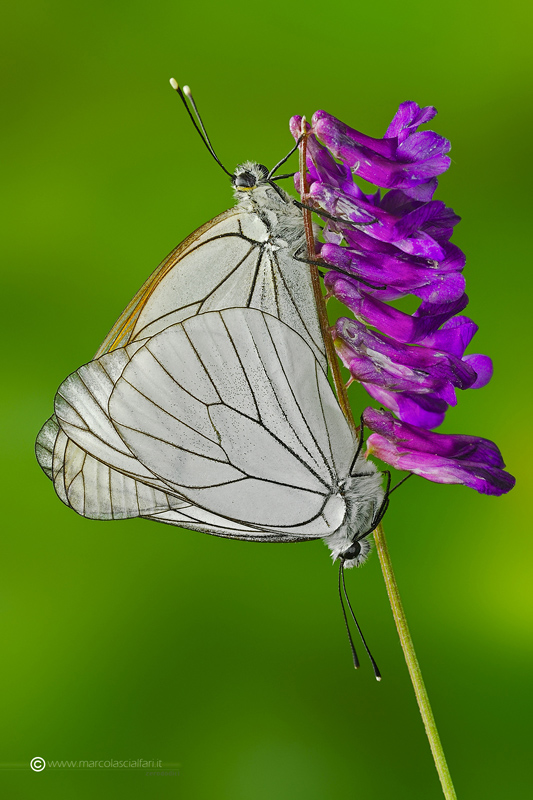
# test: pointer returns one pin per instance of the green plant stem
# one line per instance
(379, 535)
(413, 665)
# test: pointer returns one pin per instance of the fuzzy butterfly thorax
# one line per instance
(363, 497)
(276, 209)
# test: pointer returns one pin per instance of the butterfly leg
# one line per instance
(297, 255)
(341, 220)
(400, 483)
(359, 445)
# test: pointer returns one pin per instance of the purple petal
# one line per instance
(423, 410)
(410, 438)
(379, 161)
(374, 358)
(424, 148)
(378, 222)
(454, 336)
(434, 218)
(441, 223)
(443, 458)
(385, 282)
(419, 244)
(392, 175)
(389, 277)
(444, 289)
(321, 164)
(408, 117)
(380, 269)
(454, 258)
(482, 366)
(329, 127)
(295, 126)
(337, 202)
(405, 328)
(398, 203)
(453, 261)
(486, 480)
(441, 311)
(422, 191)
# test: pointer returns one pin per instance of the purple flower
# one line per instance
(412, 226)
(424, 410)
(403, 159)
(439, 457)
(382, 363)
(408, 328)
(391, 274)
(382, 248)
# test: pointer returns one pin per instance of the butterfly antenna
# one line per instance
(377, 673)
(198, 125)
(283, 160)
(341, 581)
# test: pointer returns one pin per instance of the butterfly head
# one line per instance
(249, 176)
(356, 554)
(255, 190)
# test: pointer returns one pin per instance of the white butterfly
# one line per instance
(223, 423)
(207, 406)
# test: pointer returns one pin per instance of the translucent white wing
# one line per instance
(229, 417)
(106, 483)
(229, 262)
(226, 263)
(92, 488)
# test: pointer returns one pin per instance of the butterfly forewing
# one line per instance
(226, 263)
(252, 474)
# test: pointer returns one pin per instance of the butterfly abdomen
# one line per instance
(363, 495)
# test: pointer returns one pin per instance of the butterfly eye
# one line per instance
(245, 180)
(353, 551)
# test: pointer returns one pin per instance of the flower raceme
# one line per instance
(381, 248)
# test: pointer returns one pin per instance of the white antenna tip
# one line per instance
(174, 84)
(187, 91)
(378, 678)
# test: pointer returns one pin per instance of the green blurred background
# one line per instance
(130, 640)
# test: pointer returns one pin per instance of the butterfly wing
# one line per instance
(225, 263)
(228, 415)
(229, 262)
(91, 487)
(92, 470)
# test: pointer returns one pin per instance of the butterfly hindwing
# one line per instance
(91, 487)
(224, 423)
(256, 460)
